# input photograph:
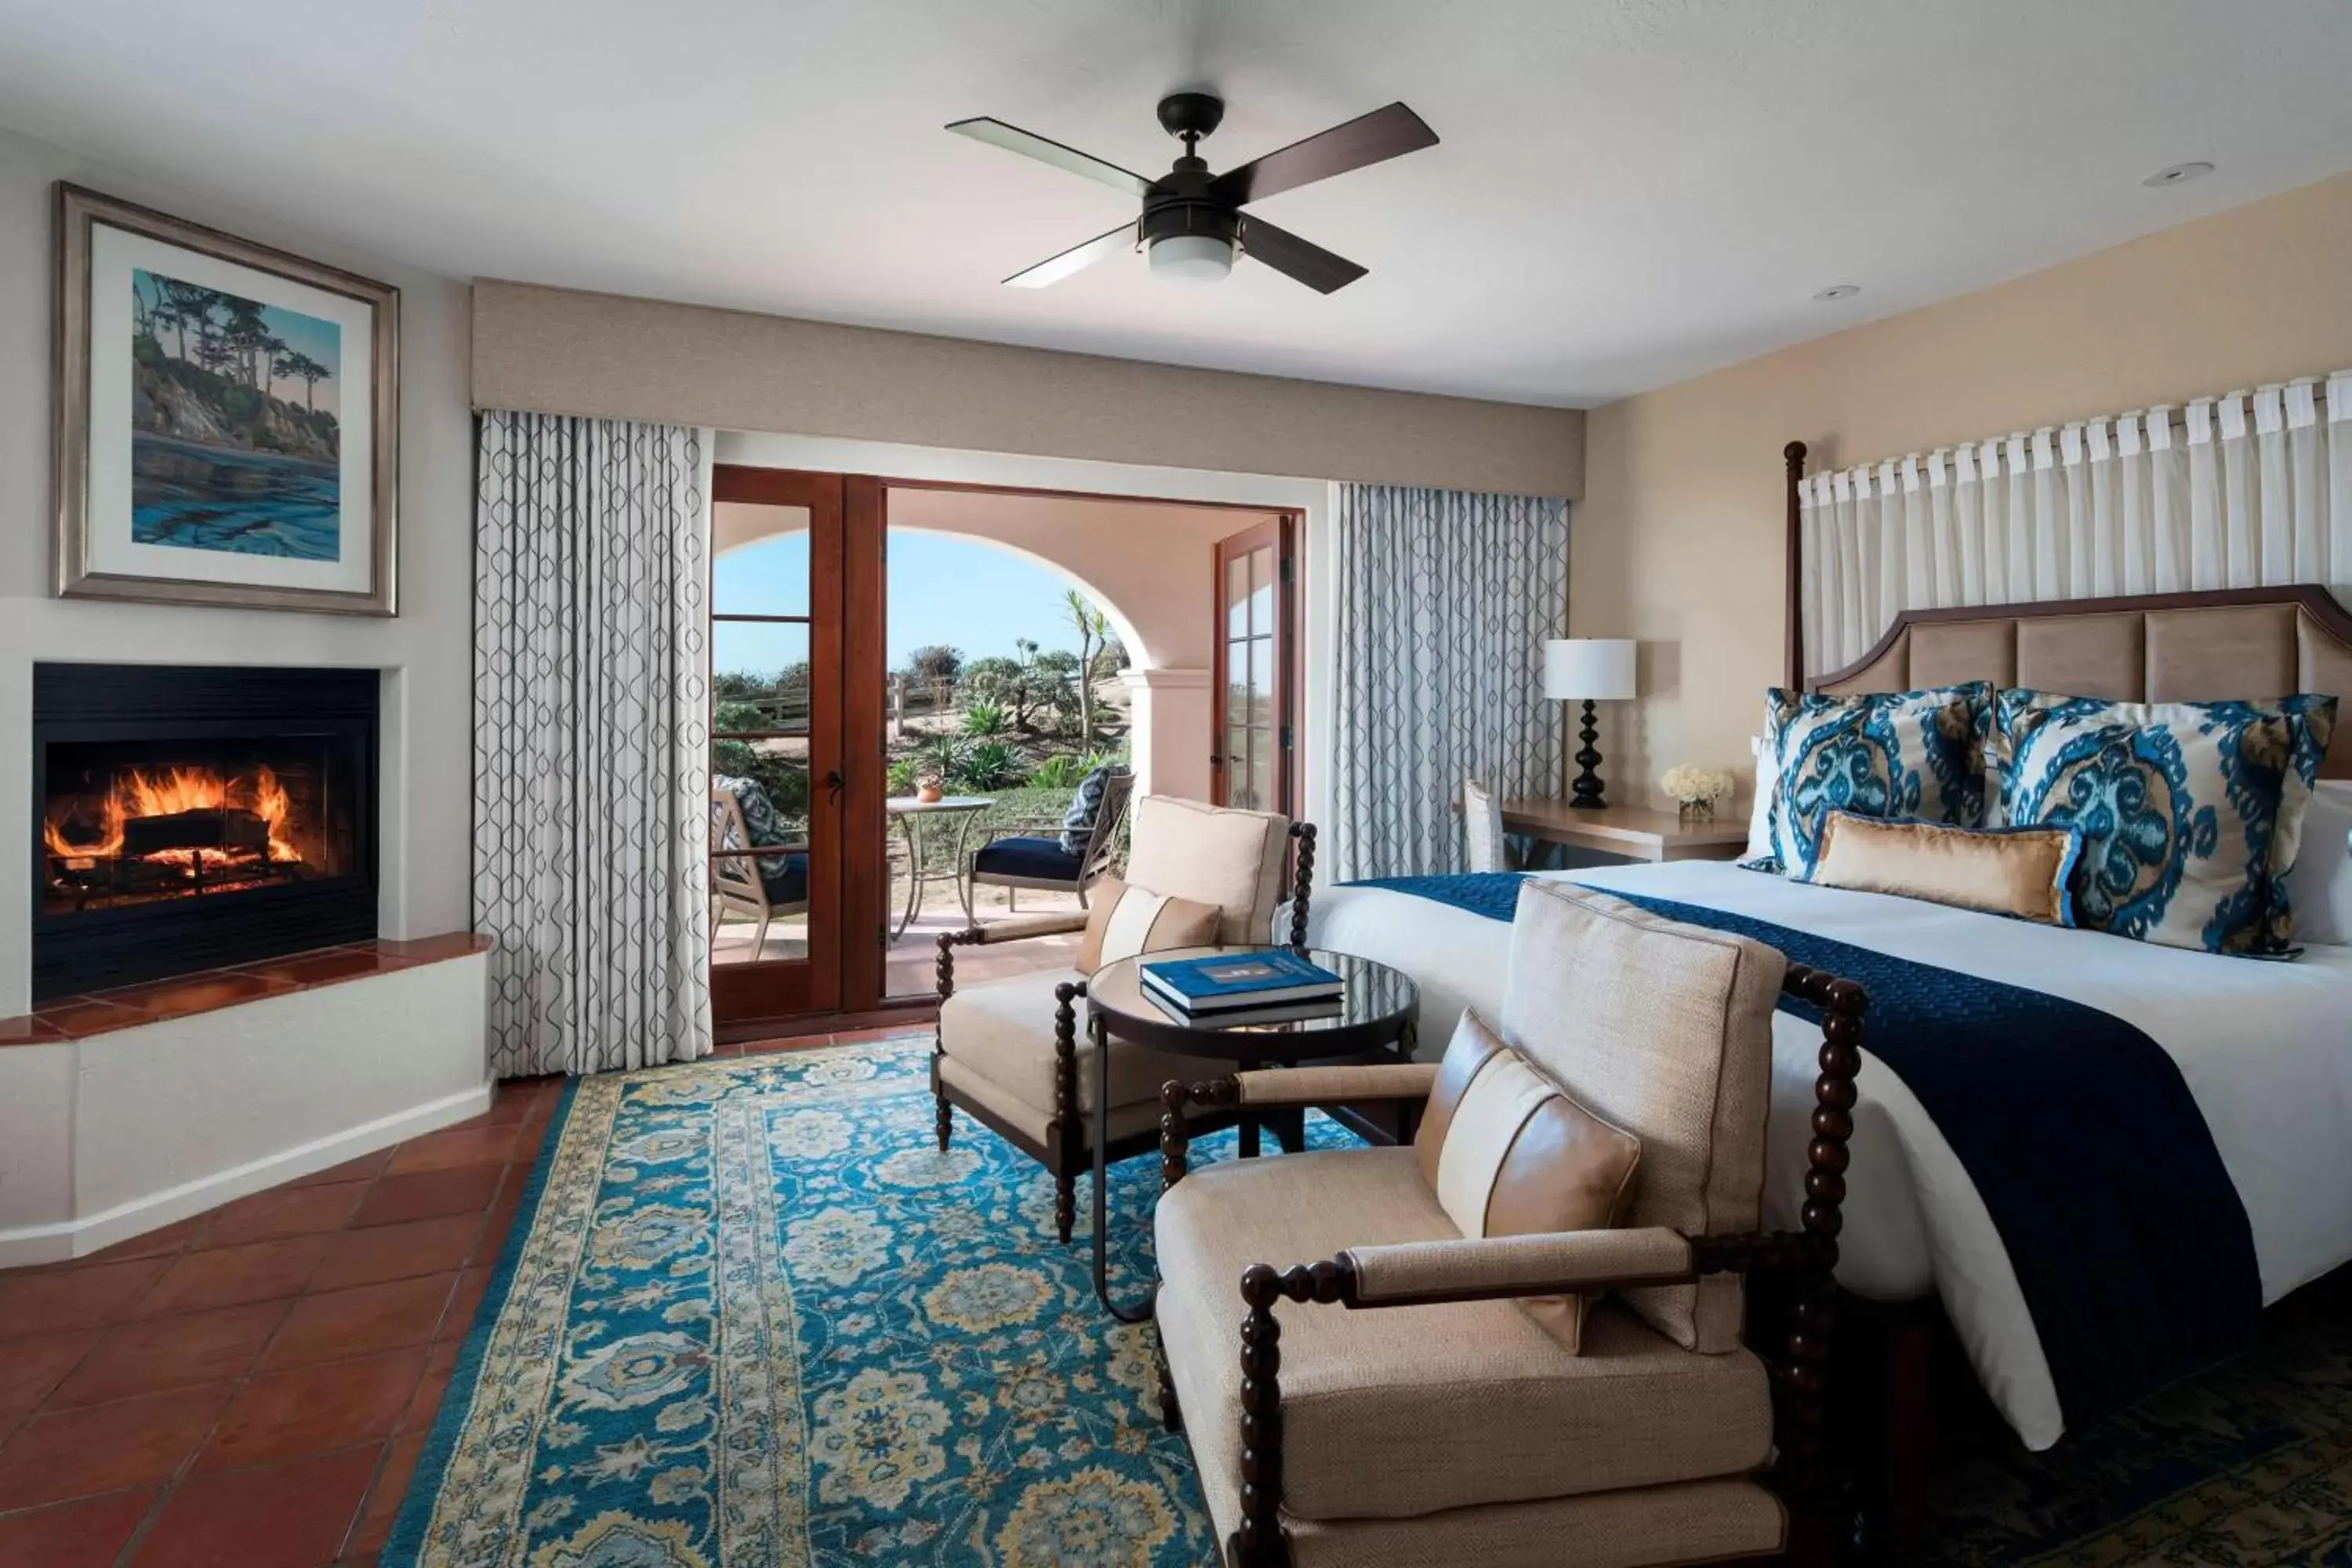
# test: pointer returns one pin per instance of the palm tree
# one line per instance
(1094, 630)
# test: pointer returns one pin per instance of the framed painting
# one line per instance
(227, 418)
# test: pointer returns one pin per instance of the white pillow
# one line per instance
(2319, 889)
(1759, 811)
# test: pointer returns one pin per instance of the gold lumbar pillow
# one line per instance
(1508, 1152)
(1124, 921)
(2020, 871)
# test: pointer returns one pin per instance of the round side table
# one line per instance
(1374, 1023)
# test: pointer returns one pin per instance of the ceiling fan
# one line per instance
(1192, 221)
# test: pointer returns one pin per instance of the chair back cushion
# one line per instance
(1666, 1030)
(1508, 1153)
(1482, 827)
(1078, 822)
(1123, 919)
(1213, 855)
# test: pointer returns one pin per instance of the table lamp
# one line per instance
(1591, 669)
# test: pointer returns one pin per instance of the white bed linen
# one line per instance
(2265, 1050)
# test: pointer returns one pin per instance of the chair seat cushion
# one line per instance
(1004, 1030)
(1404, 1411)
(787, 883)
(1040, 857)
(1647, 1527)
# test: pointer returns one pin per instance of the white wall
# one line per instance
(105, 1138)
(426, 650)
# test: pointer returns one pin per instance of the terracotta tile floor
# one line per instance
(250, 1388)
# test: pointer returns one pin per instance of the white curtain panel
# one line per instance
(1445, 599)
(2248, 489)
(592, 824)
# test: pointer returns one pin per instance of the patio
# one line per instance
(913, 954)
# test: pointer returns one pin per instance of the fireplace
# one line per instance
(188, 818)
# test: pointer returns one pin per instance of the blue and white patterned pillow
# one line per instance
(2191, 812)
(1078, 822)
(1889, 754)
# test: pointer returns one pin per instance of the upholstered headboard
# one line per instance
(2157, 648)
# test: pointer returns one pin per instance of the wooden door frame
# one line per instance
(1282, 529)
(756, 993)
(855, 730)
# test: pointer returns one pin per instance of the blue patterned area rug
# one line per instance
(752, 1318)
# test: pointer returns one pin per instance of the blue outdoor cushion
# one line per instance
(787, 885)
(1028, 858)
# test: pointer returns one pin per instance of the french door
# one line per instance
(1252, 682)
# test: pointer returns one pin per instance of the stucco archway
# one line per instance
(1148, 565)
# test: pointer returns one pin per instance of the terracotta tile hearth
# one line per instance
(80, 1018)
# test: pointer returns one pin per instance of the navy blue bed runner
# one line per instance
(2130, 1242)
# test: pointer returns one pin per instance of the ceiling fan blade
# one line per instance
(1012, 139)
(1373, 137)
(1077, 259)
(1295, 257)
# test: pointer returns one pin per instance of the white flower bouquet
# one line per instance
(1696, 789)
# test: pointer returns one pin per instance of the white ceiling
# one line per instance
(1627, 191)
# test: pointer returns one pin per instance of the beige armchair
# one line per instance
(1357, 1382)
(1007, 1051)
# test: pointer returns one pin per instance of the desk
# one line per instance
(1634, 831)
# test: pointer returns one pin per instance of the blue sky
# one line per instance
(943, 589)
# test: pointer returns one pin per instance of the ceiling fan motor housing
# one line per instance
(1193, 114)
(1179, 204)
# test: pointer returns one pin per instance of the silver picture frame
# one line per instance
(78, 557)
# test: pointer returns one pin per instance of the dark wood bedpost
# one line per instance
(1302, 881)
(1793, 456)
(1067, 1134)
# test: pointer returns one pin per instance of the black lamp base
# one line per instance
(1585, 790)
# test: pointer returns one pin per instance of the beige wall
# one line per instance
(1679, 541)
(559, 351)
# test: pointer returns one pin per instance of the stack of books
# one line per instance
(1277, 986)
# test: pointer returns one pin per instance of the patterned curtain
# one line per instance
(591, 544)
(1445, 599)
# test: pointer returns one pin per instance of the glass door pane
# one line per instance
(759, 692)
(1251, 726)
(775, 744)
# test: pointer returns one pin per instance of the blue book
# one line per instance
(1249, 980)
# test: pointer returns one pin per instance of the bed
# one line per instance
(2263, 1049)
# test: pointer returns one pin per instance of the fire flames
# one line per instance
(169, 793)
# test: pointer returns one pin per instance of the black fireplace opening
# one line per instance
(188, 818)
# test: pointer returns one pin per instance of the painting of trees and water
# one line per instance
(236, 439)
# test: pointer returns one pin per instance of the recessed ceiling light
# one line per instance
(2178, 174)
(1839, 291)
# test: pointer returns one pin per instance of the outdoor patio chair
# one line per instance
(761, 887)
(1062, 856)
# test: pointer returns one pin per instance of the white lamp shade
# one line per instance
(1597, 669)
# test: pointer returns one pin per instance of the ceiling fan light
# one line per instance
(1192, 258)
